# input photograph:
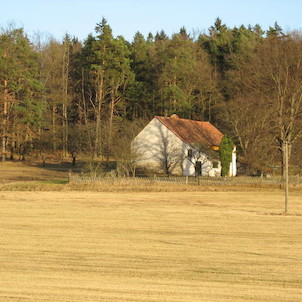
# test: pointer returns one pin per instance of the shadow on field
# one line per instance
(15, 171)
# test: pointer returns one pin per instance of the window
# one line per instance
(215, 164)
(198, 168)
(190, 154)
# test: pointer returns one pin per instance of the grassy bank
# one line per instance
(132, 185)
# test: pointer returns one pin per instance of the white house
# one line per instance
(181, 146)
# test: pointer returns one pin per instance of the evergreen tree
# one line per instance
(185, 78)
(225, 153)
(219, 46)
(138, 94)
(161, 36)
(275, 31)
(183, 33)
(21, 102)
(106, 73)
(150, 38)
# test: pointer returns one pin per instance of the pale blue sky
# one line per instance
(126, 17)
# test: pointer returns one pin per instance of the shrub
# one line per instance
(225, 154)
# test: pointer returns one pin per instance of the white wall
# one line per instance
(206, 165)
(157, 143)
(233, 164)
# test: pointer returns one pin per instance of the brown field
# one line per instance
(175, 246)
(25, 171)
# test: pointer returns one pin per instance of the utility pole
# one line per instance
(286, 174)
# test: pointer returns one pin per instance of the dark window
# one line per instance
(198, 168)
(190, 153)
(215, 164)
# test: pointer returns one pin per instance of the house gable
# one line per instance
(156, 143)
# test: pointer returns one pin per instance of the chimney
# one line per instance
(174, 116)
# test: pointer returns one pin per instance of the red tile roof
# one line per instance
(191, 132)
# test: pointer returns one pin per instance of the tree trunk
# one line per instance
(65, 77)
(285, 146)
(99, 99)
(13, 147)
(4, 120)
(54, 139)
(65, 131)
(110, 123)
(97, 132)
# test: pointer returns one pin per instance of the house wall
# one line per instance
(207, 168)
(233, 164)
(158, 147)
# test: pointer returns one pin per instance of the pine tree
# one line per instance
(185, 78)
(20, 87)
(106, 71)
(139, 93)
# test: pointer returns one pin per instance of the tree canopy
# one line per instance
(75, 97)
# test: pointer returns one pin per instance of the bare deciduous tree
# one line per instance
(271, 82)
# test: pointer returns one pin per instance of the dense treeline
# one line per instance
(91, 97)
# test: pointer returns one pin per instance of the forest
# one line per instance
(91, 97)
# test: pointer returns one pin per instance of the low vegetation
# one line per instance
(22, 176)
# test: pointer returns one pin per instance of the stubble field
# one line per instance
(168, 246)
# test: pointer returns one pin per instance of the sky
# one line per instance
(79, 17)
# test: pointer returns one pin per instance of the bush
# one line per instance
(225, 153)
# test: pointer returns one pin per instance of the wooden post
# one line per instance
(286, 175)
(198, 179)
